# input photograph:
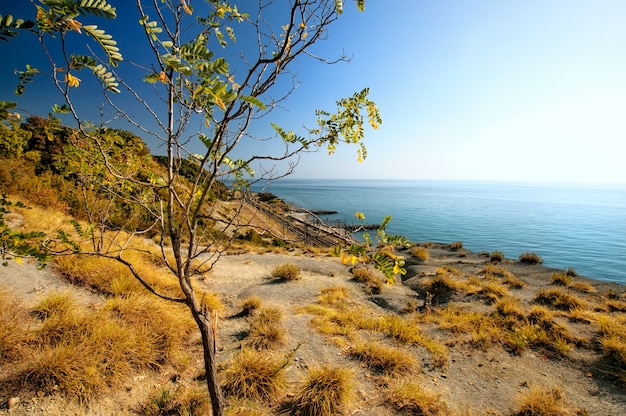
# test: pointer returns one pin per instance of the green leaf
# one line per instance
(253, 101)
(64, 109)
(25, 78)
(8, 23)
(106, 42)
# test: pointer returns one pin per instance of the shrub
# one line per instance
(383, 359)
(254, 376)
(530, 258)
(325, 392)
(496, 256)
(420, 253)
(542, 402)
(408, 396)
(287, 271)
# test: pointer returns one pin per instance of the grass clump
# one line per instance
(254, 376)
(287, 272)
(326, 391)
(528, 257)
(408, 396)
(187, 401)
(561, 279)
(457, 245)
(496, 256)
(366, 276)
(440, 288)
(420, 253)
(334, 295)
(250, 304)
(266, 331)
(13, 336)
(542, 402)
(558, 298)
(383, 359)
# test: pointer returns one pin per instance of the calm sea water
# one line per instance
(583, 227)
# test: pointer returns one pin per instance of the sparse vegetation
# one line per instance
(561, 279)
(530, 258)
(368, 277)
(250, 304)
(255, 376)
(457, 245)
(411, 398)
(558, 298)
(383, 359)
(420, 253)
(287, 272)
(543, 402)
(184, 400)
(496, 256)
(266, 331)
(326, 391)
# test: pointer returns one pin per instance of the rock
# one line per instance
(13, 402)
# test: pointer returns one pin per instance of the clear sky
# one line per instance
(468, 90)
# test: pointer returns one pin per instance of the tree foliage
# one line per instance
(198, 103)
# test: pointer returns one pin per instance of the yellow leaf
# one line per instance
(163, 77)
(18, 260)
(71, 80)
(186, 8)
(359, 215)
(353, 259)
(74, 25)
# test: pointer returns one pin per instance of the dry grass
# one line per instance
(14, 338)
(561, 279)
(287, 272)
(373, 284)
(542, 402)
(255, 376)
(410, 397)
(530, 258)
(583, 287)
(457, 245)
(383, 359)
(326, 391)
(333, 295)
(266, 330)
(496, 256)
(242, 407)
(440, 288)
(558, 298)
(250, 304)
(185, 400)
(420, 253)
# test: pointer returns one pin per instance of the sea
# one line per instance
(577, 226)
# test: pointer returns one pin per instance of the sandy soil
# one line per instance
(475, 381)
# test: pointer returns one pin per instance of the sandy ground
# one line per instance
(475, 381)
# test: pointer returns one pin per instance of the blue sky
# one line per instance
(468, 90)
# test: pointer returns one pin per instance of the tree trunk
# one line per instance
(205, 324)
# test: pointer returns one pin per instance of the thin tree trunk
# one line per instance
(205, 324)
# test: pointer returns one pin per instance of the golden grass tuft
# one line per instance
(420, 253)
(14, 338)
(530, 258)
(496, 256)
(254, 376)
(383, 359)
(561, 279)
(440, 287)
(542, 402)
(364, 275)
(410, 397)
(326, 391)
(333, 295)
(266, 331)
(185, 400)
(583, 287)
(287, 272)
(250, 304)
(242, 407)
(558, 298)
(457, 245)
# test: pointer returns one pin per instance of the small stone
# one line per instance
(13, 402)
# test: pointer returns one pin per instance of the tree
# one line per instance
(201, 93)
